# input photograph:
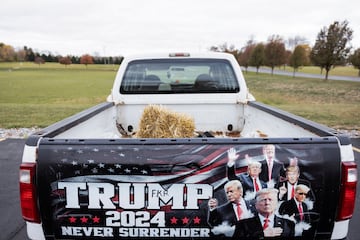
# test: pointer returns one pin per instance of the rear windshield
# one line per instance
(179, 76)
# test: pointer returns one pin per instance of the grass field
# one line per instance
(333, 103)
(38, 96)
(348, 71)
(337, 71)
(32, 95)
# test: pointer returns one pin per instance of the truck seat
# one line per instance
(205, 82)
(151, 83)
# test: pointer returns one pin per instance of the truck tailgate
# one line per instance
(160, 188)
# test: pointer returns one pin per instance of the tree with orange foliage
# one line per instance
(86, 59)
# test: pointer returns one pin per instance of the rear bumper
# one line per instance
(340, 230)
(35, 231)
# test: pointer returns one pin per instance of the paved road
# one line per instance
(354, 231)
(307, 75)
(12, 225)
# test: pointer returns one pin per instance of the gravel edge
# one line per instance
(17, 132)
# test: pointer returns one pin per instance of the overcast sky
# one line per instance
(120, 27)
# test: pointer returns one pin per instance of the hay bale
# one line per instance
(160, 122)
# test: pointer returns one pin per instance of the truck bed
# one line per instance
(253, 119)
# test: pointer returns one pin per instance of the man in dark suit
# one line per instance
(292, 180)
(250, 181)
(265, 224)
(296, 207)
(271, 168)
(234, 210)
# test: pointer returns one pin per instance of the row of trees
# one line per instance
(332, 48)
(9, 54)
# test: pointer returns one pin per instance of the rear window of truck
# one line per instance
(179, 76)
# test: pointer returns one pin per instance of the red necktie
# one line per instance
(266, 222)
(256, 185)
(238, 211)
(292, 191)
(301, 212)
(270, 168)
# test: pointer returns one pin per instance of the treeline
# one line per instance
(9, 54)
(332, 48)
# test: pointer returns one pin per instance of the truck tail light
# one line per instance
(28, 197)
(347, 191)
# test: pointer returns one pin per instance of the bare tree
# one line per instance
(295, 41)
(39, 60)
(21, 55)
(227, 49)
(332, 46)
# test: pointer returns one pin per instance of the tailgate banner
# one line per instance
(202, 191)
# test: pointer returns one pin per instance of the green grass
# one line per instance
(39, 96)
(333, 103)
(33, 96)
(337, 71)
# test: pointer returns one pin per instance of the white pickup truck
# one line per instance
(94, 176)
